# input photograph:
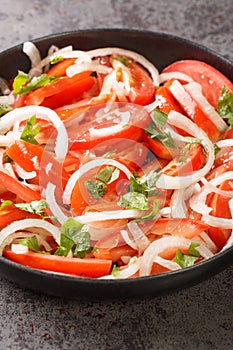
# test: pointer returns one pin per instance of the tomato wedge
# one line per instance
(59, 69)
(11, 213)
(211, 79)
(104, 122)
(142, 88)
(14, 186)
(62, 91)
(192, 109)
(87, 267)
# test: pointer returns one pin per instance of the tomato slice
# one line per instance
(211, 79)
(157, 147)
(192, 109)
(11, 213)
(194, 160)
(14, 186)
(34, 158)
(104, 122)
(62, 91)
(87, 267)
(59, 69)
(142, 89)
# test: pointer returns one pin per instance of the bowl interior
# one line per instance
(161, 49)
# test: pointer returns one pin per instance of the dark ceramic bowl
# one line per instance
(161, 49)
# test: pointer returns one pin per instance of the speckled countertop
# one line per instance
(199, 318)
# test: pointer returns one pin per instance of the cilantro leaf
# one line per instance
(145, 184)
(6, 204)
(108, 174)
(96, 188)
(22, 85)
(30, 131)
(5, 109)
(31, 243)
(35, 207)
(122, 60)
(154, 211)
(185, 260)
(115, 271)
(225, 105)
(134, 200)
(74, 236)
(159, 118)
(56, 59)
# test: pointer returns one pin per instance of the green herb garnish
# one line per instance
(30, 131)
(185, 260)
(225, 105)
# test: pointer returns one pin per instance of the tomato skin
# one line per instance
(157, 147)
(195, 159)
(87, 267)
(82, 138)
(142, 87)
(192, 110)
(211, 79)
(61, 91)
(14, 186)
(59, 69)
(11, 213)
(166, 100)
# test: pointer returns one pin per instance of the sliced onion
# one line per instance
(52, 203)
(207, 241)
(194, 89)
(78, 68)
(160, 245)
(171, 265)
(128, 240)
(174, 75)
(23, 113)
(25, 175)
(85, 168)
(130, 54)
(129, 271)
(19, 248)
(229, 243)
(26, 224)
(32, 52)
(81, 56)
(177, 182)
(108, 215)
(139, 237)
(7, 100)
(225, 143)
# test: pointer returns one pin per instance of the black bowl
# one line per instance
(162, 49)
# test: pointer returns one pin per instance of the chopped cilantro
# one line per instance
(134, 200)
(30, 131)
(159, 118)
(6, 204)
(56, 59)
(225, 105)
(108, 174)
(145, 184)
(185, 260)
(96, 188)
(152, 213)
(74, 236)
(5, 109)
(31, 243)
(35, 207)
(122, 60)
(115, 271)
(22, 85)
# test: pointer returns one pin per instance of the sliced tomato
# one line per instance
(105, 122)
(192, 109)
(14, 186)
(34, 158)
(166, 101)
(59, 69)
(157, 147)
(11, 213)
(211, 79)
(62, 91)
(142, 89)
(184, 227)
(220, 205)
(87, 267)
(194, 160)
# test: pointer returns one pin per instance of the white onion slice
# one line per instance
(174, 75)
(170, 182)
(194, 89)
(25, 175)
(108, 215)
(128, 240)
(78, 68)
(19, 248)
(26, 224)
(7, 100)
(81, 56)
(85, 168)
(52, 203)
(130, 270)
(32, 52)
(171, 265)
(229, 243)
(139, 237)
(158, 246)
(225, 143)
(130, 54)
(23, 113)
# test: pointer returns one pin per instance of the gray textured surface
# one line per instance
(200, 318)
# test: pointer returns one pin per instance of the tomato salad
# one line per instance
(112, 169)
